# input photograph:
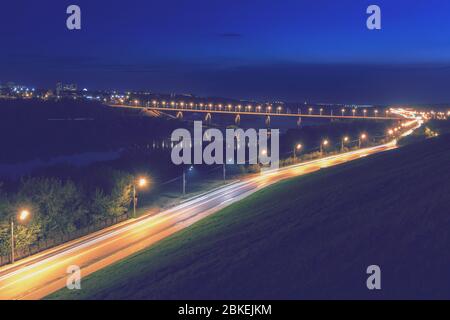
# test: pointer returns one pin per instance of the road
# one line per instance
(37, 276)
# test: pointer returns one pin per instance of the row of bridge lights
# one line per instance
(249, 108)
(218, 106)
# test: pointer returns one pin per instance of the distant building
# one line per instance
(66, 90)
(70, 87)
(59, 88)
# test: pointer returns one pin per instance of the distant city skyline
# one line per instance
(266, 50)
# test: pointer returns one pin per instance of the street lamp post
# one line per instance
(296, 149)
(344, 140)
(12, 240)
(323, 145)
(184, 181)
(141, 183)
(23, 215)
(391, 132)
(361, 138)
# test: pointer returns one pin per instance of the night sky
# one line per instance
(295, 50)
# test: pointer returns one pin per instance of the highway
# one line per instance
(37, 276)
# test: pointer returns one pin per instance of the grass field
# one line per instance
(309, 237)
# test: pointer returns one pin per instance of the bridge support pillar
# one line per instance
(299, 122)
(268, 121)
(208, 118)
(237, 120)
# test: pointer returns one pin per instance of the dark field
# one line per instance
(309, 237)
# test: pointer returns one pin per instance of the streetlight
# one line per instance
(343, 112)
(323, 145)
(184, 178)
(310, 110)
(344, 140)
(21, 217)
(361, 138)
(297, 148)
(141, 182)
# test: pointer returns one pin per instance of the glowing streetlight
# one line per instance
(343, 142)
(343, 112)
(310, 110)
(391, 132)
(141, 182)
(323, 145)
(22, 216)
(297, 148)
(361, 138)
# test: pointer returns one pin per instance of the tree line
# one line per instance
(61, 206)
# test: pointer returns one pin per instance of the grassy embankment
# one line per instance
(309, 237)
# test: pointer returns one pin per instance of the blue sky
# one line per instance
(268, 49)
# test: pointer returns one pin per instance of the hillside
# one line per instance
(309, 237)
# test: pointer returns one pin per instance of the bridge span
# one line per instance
(267, 112)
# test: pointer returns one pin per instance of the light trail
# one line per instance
(37, 276)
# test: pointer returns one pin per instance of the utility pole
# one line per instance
(12, 240)
(224, 172)
(184, 181)
(134, 200)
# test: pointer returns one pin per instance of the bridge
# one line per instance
(180, 108)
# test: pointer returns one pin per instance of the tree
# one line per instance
(121, 194)
(58, 205)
